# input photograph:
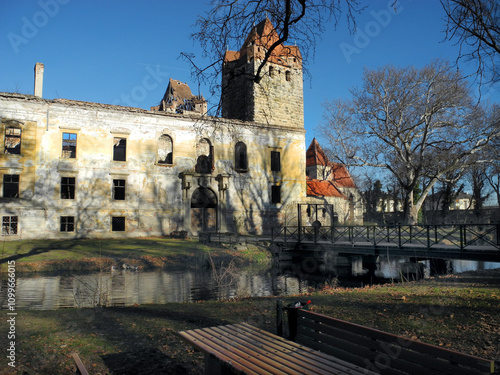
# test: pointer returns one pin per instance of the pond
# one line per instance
(127, 287)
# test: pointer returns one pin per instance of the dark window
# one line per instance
(275, 161)
(120, 149)
(9, 225)
(288, 75)
(118, 224)
(204, 157)
(12, 141)
(67, 223)
(275, 194)
(271, 71)
(69, 145)
(240, 157)
(165, 149)
(68, 187)
(11, 186)
(119, 190)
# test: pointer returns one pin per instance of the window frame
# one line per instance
(115, 226)
(275, 161)
(119, 148)
(72, 148)
(12, 136)
(68, 221)
(8, 186)
(10, 224)
(68, 187)
(122, 189)
(240, 157)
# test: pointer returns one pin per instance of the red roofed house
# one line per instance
(329, 182)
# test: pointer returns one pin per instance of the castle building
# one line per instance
(74, 169)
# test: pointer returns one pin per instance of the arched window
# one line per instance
(165, 150)
(288, 75)
(271, 71)
(240, 157)
(204, 156)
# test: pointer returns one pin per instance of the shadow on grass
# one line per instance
(143, 361)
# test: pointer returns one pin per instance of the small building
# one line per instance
(459, 201)
(331, 183)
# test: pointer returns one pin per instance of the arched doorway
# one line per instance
(203, 211)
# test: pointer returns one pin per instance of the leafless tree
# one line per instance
(475, 26)
(228, 22)
(418, 124)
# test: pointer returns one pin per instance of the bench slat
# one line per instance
(196, 340)
(293, 358)
(310, 356)
(255, 356)
(266, 353)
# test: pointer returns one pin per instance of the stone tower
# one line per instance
(278, 98)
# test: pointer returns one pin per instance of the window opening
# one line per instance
(119, 190)
(204, 153)
(68, 187)
(120, 149)
(275, 194)
(118, 224)
(67, 223)
(69, 145)
(240, 157)
(13, 141)
(275, 161)
(288, 75)
(9, 225)
(165, 150)
(11, 186)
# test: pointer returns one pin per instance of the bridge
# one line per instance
(463, 241)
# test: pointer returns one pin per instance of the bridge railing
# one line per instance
(462, 236)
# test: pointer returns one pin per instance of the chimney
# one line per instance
(38, 80)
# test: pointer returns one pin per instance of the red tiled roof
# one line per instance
(341, 175)
(315, 155)
(323, 188)
(264, 35)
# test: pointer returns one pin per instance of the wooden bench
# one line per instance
(382, 352)
(244, 349)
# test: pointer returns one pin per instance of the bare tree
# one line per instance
(228, 22)
(475, 25)
(418, 124)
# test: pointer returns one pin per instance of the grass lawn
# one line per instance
(97, 254)
(457, 312)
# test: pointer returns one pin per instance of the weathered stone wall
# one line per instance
(274, 100)
(156, 202)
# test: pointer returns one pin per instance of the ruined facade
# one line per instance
(178, 98)
(72, 169)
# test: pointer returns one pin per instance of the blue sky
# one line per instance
(124, 52)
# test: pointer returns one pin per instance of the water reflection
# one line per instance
(128, 287)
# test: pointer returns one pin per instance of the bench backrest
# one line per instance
(383, 352)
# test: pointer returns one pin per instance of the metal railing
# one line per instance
(460, 237)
